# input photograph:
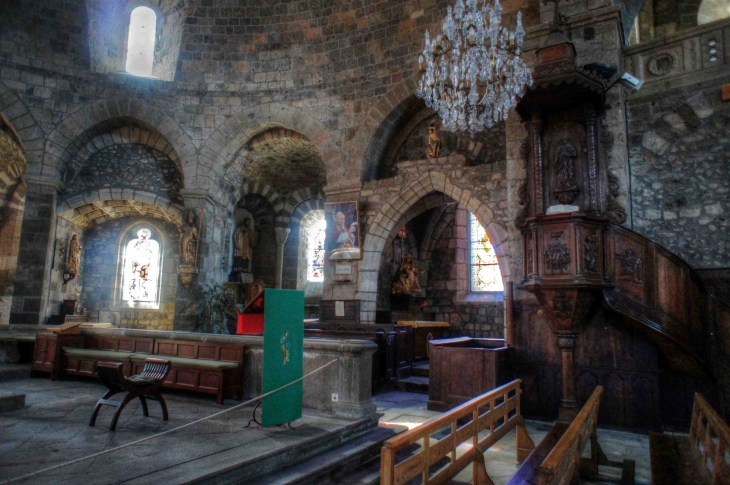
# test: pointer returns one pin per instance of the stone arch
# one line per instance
(392, 215)
(101, 205)
(221, 148)
(385, 121)
(75, 131)
(25, 127)
(277, 200)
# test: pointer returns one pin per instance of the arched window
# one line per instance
(142, 265)
(141, 41)
(315, 250)
(484, 271)
(712, 10)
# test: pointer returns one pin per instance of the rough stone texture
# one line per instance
(279, 158)
(679, 150)
(480, 148)
(102, 274)
(131, 166)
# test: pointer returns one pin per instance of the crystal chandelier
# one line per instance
(473, 72)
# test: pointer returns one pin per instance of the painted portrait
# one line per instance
(343, 231)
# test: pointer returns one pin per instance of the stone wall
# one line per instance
(679, 150)
(131, 166)
(103, 257)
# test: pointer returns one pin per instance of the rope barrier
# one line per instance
(95, 455)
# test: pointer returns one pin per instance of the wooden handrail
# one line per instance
(485, 412)
(564, 459)
(709, 433)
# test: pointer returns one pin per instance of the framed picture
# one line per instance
(343, 231)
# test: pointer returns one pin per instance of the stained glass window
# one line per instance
(315, 250)
(485, 274)
(141, 41)
(141, 268)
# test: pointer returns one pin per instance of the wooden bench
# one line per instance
(702, 458)
(210, 368)
(557, 459)
(497, 412)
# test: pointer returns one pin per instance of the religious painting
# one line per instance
(343, 231)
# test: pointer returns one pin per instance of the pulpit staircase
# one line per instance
(667, 302)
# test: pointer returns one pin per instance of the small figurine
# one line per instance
(434, 142)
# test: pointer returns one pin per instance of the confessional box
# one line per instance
(463, 368)
(47, 351)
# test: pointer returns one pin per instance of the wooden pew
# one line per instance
(557, 459)
(497, 411)
(698, 459)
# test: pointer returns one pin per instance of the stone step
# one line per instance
(13, 372)
(351, 463)
(414, 384)
(420, 370)
(10, 400)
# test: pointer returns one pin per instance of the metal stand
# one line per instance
(253, 416)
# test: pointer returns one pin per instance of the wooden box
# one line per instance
(47, 351)
(463, 368)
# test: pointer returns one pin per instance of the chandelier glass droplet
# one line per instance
(473, 73)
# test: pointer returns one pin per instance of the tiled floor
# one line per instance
(409, 409)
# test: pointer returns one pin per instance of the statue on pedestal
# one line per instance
(74, 259)
(244, 240)
(407, 282)
(434, 142)
(189, 242)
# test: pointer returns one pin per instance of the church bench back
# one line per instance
(709, 433)
(497, 411)
(563, 462)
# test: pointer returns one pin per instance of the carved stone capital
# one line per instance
(282, 233)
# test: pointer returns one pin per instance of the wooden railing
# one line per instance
(711, 436)
(497, 411)
(564, 462)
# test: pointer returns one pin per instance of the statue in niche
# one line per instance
(189, 238)
(244, 240)
(407, 282)
(74, 259)
(434, 142)
(566, 190)
(189, 242)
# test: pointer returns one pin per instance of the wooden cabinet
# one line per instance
(463, 368)
(424, 332)
(47, 352)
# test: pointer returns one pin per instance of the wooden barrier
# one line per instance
(563, 462)
(697, 459)
(497, 411)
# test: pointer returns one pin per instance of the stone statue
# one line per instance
(434, 142)
(74, 256)
(407, 283)
(189, 238)
(566, 190)
(244, 240)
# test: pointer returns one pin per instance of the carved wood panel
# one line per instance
(566, 165)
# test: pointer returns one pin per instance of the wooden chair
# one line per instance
(142, 386)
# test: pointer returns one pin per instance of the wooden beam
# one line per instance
(111, 215)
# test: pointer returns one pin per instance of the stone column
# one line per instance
(282, 233)
(569, 402)
(33, 277)
(210, 248)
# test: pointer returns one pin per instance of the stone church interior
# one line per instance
(365, 241)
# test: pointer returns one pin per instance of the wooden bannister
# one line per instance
(564, 461)
(497, 411)
(711, 436)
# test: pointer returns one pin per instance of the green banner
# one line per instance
(283, 355)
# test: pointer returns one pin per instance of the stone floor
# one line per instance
(409, 409)
(53, 429)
